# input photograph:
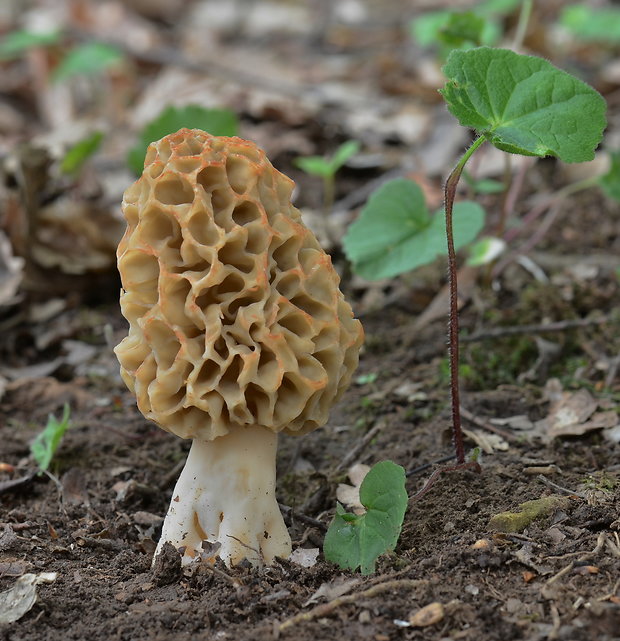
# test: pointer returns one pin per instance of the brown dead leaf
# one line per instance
(14, 567)
(573, 413)
(428, 615)
(306, 557)
(332, 590)
(488, 443)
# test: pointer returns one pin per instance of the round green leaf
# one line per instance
(395, 232)
(523, 104)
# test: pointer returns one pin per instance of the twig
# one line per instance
(362, 444)
(559, 488)
(327, 608)
(613, 592)
(476, 420)
(600, 543)
(557, 623)
(425, 466)
(558, 326)
(304, 518)
(104, 544)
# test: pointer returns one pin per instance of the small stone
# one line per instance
(481, 544)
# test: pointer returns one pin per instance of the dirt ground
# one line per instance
(540, 341)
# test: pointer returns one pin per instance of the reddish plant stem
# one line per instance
(453, 321)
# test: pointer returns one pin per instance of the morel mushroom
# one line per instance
(237, 331)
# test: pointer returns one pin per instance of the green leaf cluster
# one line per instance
(46, 442)
(523, 104)
(354, 540)
(89, 58)
(395, 232)
(218, 122)
(77, 155)
(592, 24)
(327, 167)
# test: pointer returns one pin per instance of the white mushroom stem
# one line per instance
(226, 494)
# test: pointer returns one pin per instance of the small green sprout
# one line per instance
(327, 167)
(77, 155)
(485, 251)
(483, 185)
(87, 59)
(365, 379)
(46, 443)
(217, 122)
(357, 540)
(610, 182)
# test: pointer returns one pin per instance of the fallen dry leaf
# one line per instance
(428, 615)
(488, 443)
(306, 557)
(332, 590)
(573, 413)
(349, 495)
(20, 598)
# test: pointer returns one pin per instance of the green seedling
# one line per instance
(535, 110)
(88, 59)
(485, 250)
(17, 43)
(610, 182)
(357, 540)
(77, 155)
(327, 168)
(218, 122)
(483, 185)
(396, 233)
(46, 443)
(366, 379)
(592, 24)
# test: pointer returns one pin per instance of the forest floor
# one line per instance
(96, 522)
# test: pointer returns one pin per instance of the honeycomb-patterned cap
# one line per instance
(235, 315)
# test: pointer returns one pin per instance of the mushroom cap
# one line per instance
(235, 314)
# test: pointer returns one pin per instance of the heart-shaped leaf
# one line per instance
(523, 104)
(396, 233)
(353, 540)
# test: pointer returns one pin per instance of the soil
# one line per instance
(96, 526)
